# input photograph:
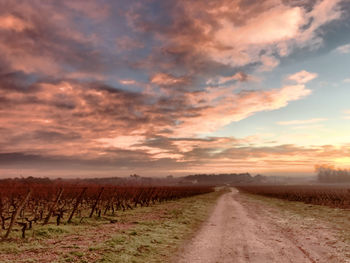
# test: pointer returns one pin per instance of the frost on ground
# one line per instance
(242, 229)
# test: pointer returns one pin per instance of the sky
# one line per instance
(157, 87)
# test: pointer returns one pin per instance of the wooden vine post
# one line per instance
(96, 202)
(78, 200)
(16, 212)
(52, 208)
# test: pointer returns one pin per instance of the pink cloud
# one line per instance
(166, 79)
(61, 64)
(11, 22)
(302, 77)
(234, 35)
(239, 76)
(20, 60)
(268, 63)
(75, 119)
(276, 24)
(90, 8)
(224, 108)
(127, 43)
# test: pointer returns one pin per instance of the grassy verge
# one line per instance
(156, 238)
(147, 234)
(337, 219)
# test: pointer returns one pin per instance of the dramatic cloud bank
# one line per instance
(111, 87)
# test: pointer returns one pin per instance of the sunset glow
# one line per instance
(112, 88)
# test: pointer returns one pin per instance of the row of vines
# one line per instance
(23, 206)
(333, 196)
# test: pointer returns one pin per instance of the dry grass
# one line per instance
(147, 234)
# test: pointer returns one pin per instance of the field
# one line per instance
(94, 223)
(328, 195)
(33, 204)
(66, 223)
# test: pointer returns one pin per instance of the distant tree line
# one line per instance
(137, 180)
(329, 174)
(232, 178)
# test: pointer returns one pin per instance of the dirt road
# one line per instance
(243, 230)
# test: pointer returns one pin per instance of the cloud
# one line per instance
(297, 122)
(302, 77)
(123, 142)
(308, 127)
(268, 63)
(128, 82)
(346, 114)
(276, 23)
(239, 76)
(11, 22)
(124, 85)
(90, 111)
(69, 118)
(220, 154)
(126, 43)
(46, 40)
(219, 109)
(236, 34)
(163, 79)
(98, 10)
(345, 49)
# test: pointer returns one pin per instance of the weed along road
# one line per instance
(243, 229)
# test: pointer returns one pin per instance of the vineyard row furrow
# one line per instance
(27, 205)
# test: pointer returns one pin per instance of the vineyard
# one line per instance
(333, 196)
(23, 206)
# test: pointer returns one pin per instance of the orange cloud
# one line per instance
(10, 22)
(166, 79)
